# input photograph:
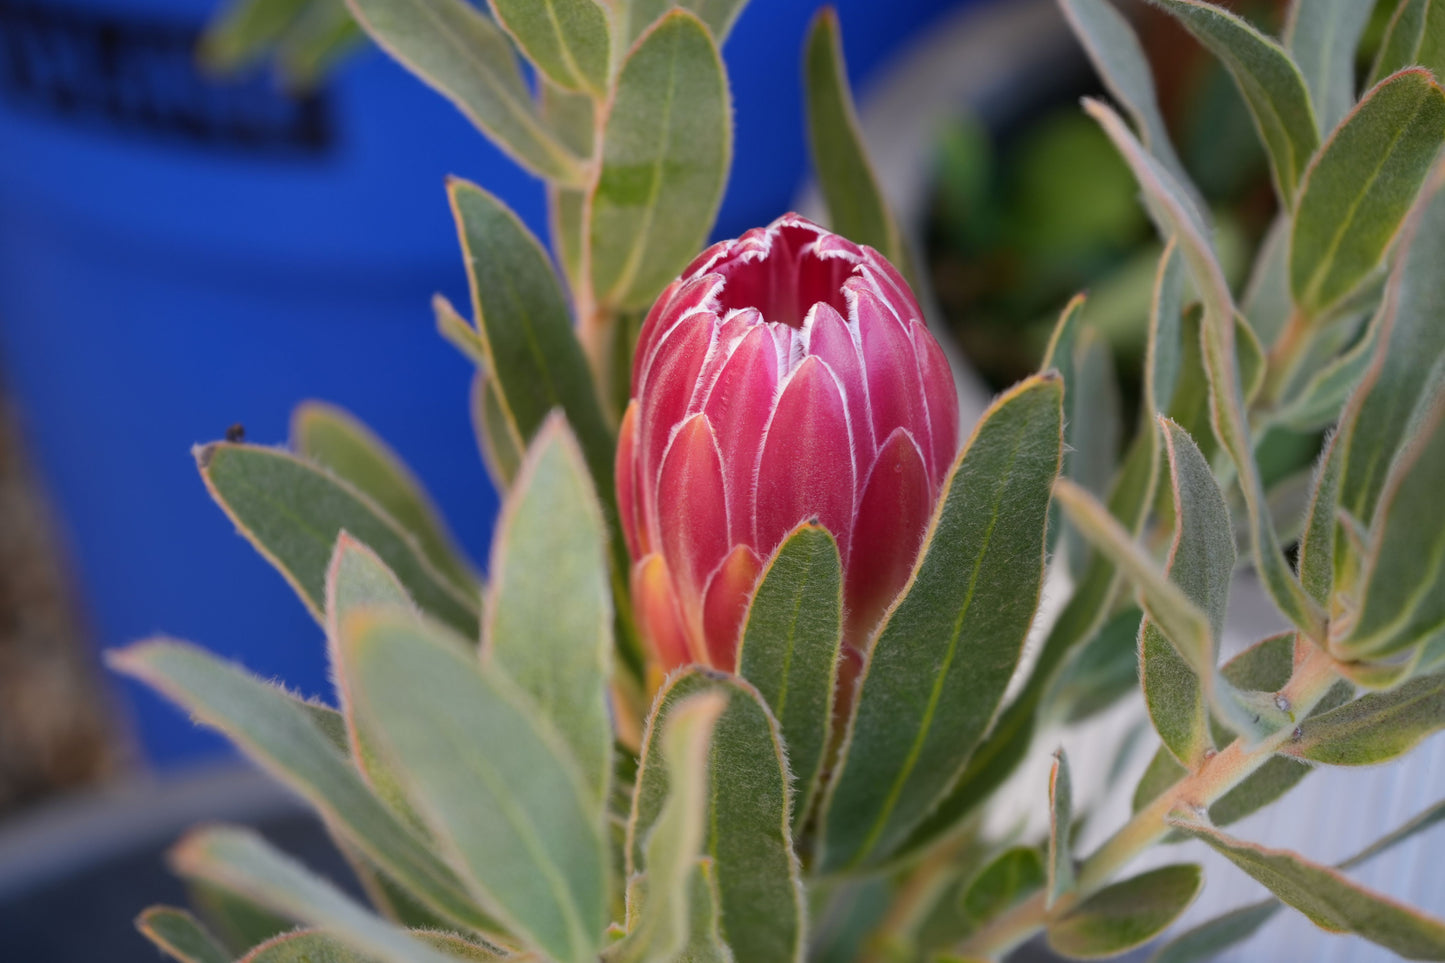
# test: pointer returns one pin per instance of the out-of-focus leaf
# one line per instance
(856, 207)
(1271, 84)
(567, 40)
(1206, 941)
(938, 669)
(336, 439)
(1060, 862)
(659, 910)
(292, 512)
(493, 780)
(241, 860)
(1125, 915)
(790, 647)
(1201, 561)
(467, 58)
(1011, 877)
(521, 315)
(1402, 583)
(180, 936)
(1330, 900)
(1375, 728)
(666, 148)
(1173, 218)
(1321, 36)
(1358, 190)
(748, 836)
(549, 606)
(1119, 60)
(1414, 35)
(283, 735)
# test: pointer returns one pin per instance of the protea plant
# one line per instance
(516, 774)
(787, 376)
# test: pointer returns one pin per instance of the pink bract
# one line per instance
(786, 376)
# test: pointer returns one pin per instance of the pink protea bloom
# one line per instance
(786, 376)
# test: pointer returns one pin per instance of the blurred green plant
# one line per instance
(510, 780)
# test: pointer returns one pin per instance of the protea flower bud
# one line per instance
(786, 376)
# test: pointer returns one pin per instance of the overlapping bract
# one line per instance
(786, 375)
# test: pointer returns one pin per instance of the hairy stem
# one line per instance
(1218, 774)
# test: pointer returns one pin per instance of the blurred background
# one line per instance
(186, 251)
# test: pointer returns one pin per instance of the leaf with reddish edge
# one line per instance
(1331, 901)
(939, 664)
(805, 469)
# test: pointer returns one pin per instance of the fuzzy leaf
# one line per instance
(282, 735)
(1376, 728)
(1402, 585)
(1270, 82)
(292, 512)
(1119, 60)
(336, 439)
(465, 57)
(1173, 218)
(1330, 900)
(549, 607)
(748, 835)
(1322, 36)
(1410, 340)
(1125, 915)
(493, 781)
(1358, 190)
(241, 860)
(1414, 35)
(938, 668)
(180, 936)
(531, 351)
(566, 39)
(790, 648)
(1060, 862)
(659, 906)
(666, 148)
(856, 207)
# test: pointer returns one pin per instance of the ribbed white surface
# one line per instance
(986, 54)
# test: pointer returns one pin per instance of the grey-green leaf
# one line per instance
(241, 860)
(1119, 60)
(336, 439)
(549, 606)
(180, 936)
(666, 147)
(532, 353)
(1060, 863)
(282, 734)
(856, 208)
(1358, 190)
(748, 838)
(1271, 84)
(1322, 36)
(790, 647)
(1414, 35)
(1127, 914)
(1375, 728)
(293, 511)
(1330, 900)
(493, 780)
(566, 39)
(940, 663)
(467, 58)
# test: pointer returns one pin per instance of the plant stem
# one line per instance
(1218, 774)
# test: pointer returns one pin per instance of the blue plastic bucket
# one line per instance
(177, 255)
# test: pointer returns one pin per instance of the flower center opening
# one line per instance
(786, 283)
